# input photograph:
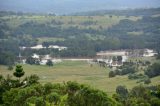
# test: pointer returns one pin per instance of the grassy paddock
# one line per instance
(103, 21)
(81, 72)
(49, 39)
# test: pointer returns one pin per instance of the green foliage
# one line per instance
(8, 51)
(53, 98)
(123, 70)
(128, 69)
(137, 76)
(30, 60)
(72, 87)
(158, 56)
(137, 96)
(75, 94)
(49, 63)
(72, 94)
(45, 44)
(155, 102)
(153, 70)
(113, 33)
(147, 81)
(112, 74)
(119, 58)
(9, 97)
(139, 91)
(7, 58)
(48, 87)
(86, 96)
(10, 67)
(156, 92)
(18, 71)
(140, 78)
(40, 101)
(33, 79)
(122, 92)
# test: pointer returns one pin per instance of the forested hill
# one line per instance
(126, 12)
(82, 35)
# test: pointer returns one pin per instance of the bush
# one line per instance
(112, 74)
(117, 72)
(40, 102)
(10, 67)
(155, 102)
(153, 70)
(122, 91)
(147, 81)
(127, 70)
(30, 60)
(49, 63)
(137, 76)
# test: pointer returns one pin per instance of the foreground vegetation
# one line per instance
(29, 92)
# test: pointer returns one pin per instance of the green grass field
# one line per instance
(67, 21)
(81, 72)
(49, 39)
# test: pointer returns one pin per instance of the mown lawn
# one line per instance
(81, 72)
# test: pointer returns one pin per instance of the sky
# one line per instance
(71, 6)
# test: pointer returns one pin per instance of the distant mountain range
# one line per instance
(71, 6)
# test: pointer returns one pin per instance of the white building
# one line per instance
(149, 53)
(35, 56)
(37, 47)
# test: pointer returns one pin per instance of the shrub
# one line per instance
(10, 67)
(153, 70)
(112, 74)
(122, 91)
(147, 81)
(49, 63)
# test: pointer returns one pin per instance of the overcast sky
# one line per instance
(70, 6)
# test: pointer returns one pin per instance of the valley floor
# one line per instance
(81, 72)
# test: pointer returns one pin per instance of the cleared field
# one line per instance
(81, 72)
(49, 39)
(68, 21)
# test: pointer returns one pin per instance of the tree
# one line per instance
(49, 63)
(53, 97)
(40, 102)
(33, 79)
(122, 91)
(30, 60)
(147, 81)
(45, 44)
(114, 58)
(119, 58)
(18, 71)
(112, 74)
(127, 70)
(153, 70)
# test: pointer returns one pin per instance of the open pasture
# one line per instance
(79, 71)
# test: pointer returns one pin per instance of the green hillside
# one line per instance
(67, 21)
